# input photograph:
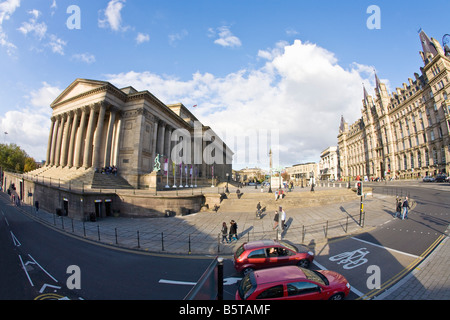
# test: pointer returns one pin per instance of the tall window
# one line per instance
(419, 159)
(427, 158)
(412, 161)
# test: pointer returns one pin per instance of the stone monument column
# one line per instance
(49, 144)
(58, 142)
(79, 143)
(89, 138)
(64, 151)
(96, 158)
(72, 140)
(112, 121)
(54, 138)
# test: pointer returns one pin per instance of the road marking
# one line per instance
(352, 288)
(183, 283)
(386, 248)
(42, 268)
(45, 286)
(26, 272)
(15, 240)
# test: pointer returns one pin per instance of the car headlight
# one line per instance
(310, 253)
(347, 285)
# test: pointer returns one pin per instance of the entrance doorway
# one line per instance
(65, 207)
(98, 208)
(108, 209)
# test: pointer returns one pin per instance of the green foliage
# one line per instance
(14, 159)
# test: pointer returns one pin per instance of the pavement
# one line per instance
(199, 235)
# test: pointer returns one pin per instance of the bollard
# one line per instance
(189, 244)
(72, 226)
(115, 231)
(98, 232)
(84, 229)
(220, 279)
(303, 234)
(62, 222)
(138, 240)
(162, 241)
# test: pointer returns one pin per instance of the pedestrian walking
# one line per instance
(233, 231)
(224, 232)
(275, 220)
(405, 207)
(258, 210)
(283, 218)
(398, 209)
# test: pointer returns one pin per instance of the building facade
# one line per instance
(301, 174)
(328, 164)
(96, 125)
(404, 134)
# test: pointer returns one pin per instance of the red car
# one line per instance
(293, 283)
(269, 253)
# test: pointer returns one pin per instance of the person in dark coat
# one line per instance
(233, 231)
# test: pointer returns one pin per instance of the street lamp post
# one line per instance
(228, 178)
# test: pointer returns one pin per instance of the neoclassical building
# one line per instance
(404, 134)
(96, 125)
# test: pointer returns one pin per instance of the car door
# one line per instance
(257, 258)
(278, 255)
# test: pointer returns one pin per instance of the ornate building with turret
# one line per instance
(405, 134)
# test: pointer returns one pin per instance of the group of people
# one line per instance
(231, 235)
(402, 207)
(108, 170)
(276, 219)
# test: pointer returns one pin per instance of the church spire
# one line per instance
(428, 47)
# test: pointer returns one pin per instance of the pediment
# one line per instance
(78, 87)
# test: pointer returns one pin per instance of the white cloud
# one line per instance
(175, 37)
(142, 37)
(84, 57)
(301, 92)
(7, 8)
(226, 38)
(32, 26)
(57, 45)
(29, 127)
(112, 16)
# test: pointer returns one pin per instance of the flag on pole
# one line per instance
(173, 167)
(190, 171)
(166, 166)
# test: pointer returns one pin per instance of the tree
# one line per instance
(14, 159)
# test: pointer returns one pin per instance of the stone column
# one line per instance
(54, 139)
(49, 144)
(161, 135)
(155, 140)
(96, 158)
(58, 142)
(65, 142)
(108, 147)
(89, 138)
(79, 143)
(72, 140)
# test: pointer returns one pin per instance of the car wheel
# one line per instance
(246, 271)
(337, 296)
(303, 263)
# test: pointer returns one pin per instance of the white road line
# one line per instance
(183, 283)
(352, 288)
(42, 268)
(386, 248)
(26, 272)
(15, 240)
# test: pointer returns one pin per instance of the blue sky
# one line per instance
(288, 65)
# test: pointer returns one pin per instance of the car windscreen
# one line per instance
(239, 251)
(289, 246)
(315, 276)
(247, 286)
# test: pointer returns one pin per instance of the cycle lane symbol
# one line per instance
(351, 259)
